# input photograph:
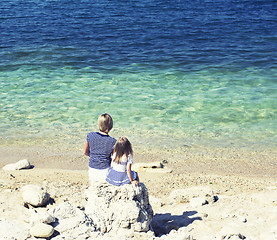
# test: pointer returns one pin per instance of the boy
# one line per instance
(99, 147)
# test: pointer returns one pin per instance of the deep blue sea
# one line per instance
(203, 70)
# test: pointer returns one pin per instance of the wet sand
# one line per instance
(188, 159)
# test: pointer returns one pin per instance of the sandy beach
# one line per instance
(244, 181)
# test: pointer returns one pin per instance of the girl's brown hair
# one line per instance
(105, 122)
(122, 147)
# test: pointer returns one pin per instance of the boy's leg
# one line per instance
(97, 175)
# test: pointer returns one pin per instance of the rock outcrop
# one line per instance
(119, 209)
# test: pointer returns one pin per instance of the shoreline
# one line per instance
(188, 159)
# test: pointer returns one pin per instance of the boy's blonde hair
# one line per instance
(122, 147)
(105, 123)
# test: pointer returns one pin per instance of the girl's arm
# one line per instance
(86, 149)
(129, 172)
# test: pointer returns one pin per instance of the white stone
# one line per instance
(22, 164)
(41, 217)
(42, 230)
(198, 202)
(35, 195)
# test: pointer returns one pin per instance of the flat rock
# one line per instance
(22, 164)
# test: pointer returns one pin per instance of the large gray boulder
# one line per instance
(125, 209)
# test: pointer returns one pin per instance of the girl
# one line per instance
(120, 172)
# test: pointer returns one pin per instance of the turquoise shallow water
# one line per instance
(178, 72)
(206, 104)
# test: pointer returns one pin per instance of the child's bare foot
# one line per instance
(135, 182)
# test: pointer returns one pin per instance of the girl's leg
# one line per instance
(137, 177)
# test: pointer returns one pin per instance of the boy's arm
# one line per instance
(112, 157)
(86, 149)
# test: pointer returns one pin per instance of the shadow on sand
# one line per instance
(164, 223)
